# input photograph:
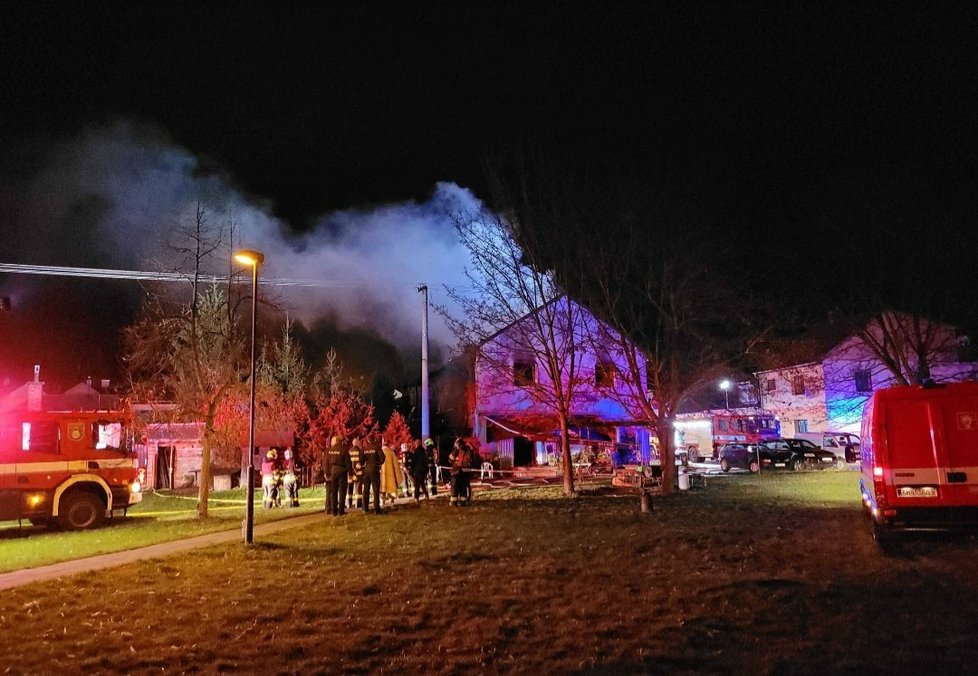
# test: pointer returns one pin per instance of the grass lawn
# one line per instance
(775, 573)
(158, 518)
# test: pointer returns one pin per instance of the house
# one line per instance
(170, 452)
(514, 412)
(86, 396)
(828, 391)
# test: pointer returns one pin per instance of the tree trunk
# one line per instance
(203, 490)
(565, 453)
(667, 453)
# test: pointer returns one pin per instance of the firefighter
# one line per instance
(291, 478)
(432, 453)
(337, 468)
(271, 479)
(355, 480)
(418, 467)
(460, 460)
(372, 458)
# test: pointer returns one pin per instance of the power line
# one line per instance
(102, 273)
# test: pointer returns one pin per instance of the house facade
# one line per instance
(828, 394)
(514, 395)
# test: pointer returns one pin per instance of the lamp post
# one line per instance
(253, 259)
(725, 386)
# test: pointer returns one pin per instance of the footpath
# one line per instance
(53, 571)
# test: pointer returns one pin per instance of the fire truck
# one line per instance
(67, 468)
(702, 434)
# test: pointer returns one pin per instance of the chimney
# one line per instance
(104, 384)
(88, 381)
(35, 391)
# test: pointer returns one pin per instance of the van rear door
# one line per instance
(912, 459)
(960, 427)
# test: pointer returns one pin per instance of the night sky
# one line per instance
(809, 134)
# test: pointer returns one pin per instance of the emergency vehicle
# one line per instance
(919, 457)
(702, 434)
(70, 468)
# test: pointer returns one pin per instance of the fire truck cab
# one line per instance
(70, 468)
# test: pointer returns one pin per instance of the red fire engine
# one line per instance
(71, 467)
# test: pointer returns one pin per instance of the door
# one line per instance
(164, 467)
(522, 452)
(960, 417)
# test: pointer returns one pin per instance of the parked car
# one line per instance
(804, 454)
(844, 445)
(753, 457)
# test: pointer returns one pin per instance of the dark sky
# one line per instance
(795, 127)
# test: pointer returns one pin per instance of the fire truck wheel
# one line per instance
(80, 510)
(693, 454)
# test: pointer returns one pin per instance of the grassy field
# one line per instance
(158, 518)
(769, 574)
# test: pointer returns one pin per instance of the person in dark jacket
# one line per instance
(432, 452)
(337, 468)
(419, 472)
(372, 459)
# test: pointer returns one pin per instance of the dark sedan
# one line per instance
(803, 453)
(753, 457)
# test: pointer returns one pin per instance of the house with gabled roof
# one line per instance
(835, 370)
(514, 408)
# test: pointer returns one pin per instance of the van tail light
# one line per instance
(878, 486)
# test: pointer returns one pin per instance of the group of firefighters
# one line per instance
(353, 470)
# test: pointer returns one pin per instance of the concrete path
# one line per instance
(55, 570)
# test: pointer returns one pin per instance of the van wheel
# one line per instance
(840, 464)
(754, 466)
(884, 537)
(693, 454)
(724, 465)
(80, 510)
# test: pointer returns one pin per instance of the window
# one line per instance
(523, 371)
(801, 426)
(771, 385)
(604, 373)
(864, 381)
(40, 436)
(798, 385)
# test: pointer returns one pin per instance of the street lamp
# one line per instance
(725, 386)
(253, 259)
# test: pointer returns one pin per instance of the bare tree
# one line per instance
(191, 352)
(526, 332)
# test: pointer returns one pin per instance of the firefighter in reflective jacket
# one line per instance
(291, 478)
(355, 487)
(271, 480)
(460, 460)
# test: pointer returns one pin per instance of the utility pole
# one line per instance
(425, 408)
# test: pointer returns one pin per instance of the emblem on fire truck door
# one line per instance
(76, 431)
(967, 421)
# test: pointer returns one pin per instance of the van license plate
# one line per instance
(917, 492)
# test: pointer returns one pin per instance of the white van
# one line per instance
(843, 444)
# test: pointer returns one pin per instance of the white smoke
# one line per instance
(115, 196)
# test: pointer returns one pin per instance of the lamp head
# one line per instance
(249, 257)
(724, 385)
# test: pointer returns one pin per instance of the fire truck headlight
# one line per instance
(135, 487)
(34, 500)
